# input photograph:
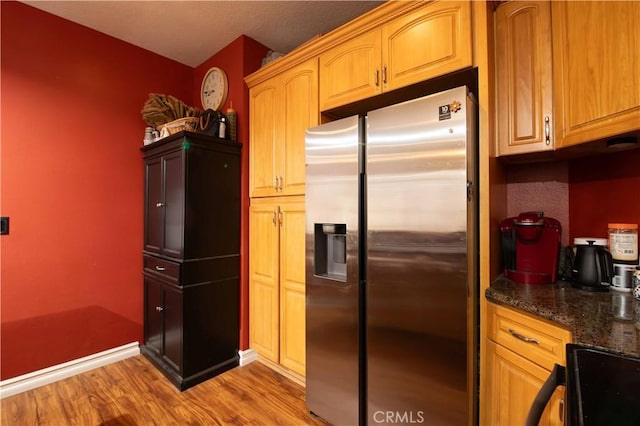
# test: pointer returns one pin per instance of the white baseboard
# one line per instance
(52, 374)
(247, 357)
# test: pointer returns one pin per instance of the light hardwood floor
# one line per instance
(132, 392)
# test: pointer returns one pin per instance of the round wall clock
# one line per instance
(214, 89)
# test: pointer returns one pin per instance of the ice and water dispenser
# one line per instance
(331, 251)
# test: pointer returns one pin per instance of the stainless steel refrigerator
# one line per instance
(391, 264)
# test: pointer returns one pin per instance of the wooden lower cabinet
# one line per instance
(514, 382)
(520, 353)
(277, 280)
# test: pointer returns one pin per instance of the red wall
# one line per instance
(72, 185)
(239, 59)
(604, 189)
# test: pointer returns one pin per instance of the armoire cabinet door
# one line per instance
(263, 278)
(154, 213)
(173, 204)
(164, 204)
(524, 77)
(153, 316)
(292, 286)
(173, 322)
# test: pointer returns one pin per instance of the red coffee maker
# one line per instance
(530, 248)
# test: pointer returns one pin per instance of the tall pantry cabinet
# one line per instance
(282, 107)
(191, 256)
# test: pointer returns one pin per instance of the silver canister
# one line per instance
(635, 283)
(622, 277)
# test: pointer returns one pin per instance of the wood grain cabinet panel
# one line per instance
(351, 71)
(292, 287)
(520, 354)
(596, 69)
(281, 109)
(277, 280)
(262, 134)
(264, 274)
(524, 77)
(515, 382)
(427, 42)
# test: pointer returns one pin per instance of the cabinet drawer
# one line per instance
(536, 340)
(164, 268)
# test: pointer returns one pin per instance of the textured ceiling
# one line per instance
(190, 32)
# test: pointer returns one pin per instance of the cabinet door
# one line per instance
(263, 122)
(351, 71)
(299, 111)
(263, 278)
(430, 41)
(153, 316)
(523, 77)
(596, 69)
(153, 209)
(172, 309)
(292, 286)
(513, 383)
(174, 188)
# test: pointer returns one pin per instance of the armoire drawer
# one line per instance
(165, 268)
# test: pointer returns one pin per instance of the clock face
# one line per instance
(214, 89)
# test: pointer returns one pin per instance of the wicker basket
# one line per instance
(175, 126)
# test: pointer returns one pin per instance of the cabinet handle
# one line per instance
(561, 411)
(523, 338)
(376, 77)
(280, 186)
(547, 131)
(280, 216)
(160, 268)
(275, 183)
(159, 308)
(384, 75)
(274, 217)
(159, 204)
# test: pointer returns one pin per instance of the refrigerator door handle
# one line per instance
(555, 379)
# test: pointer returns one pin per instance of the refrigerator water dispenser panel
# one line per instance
(331, 251)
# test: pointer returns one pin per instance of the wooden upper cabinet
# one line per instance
(282, 108)
(596, 69)
(524, 77)
(262, 134)
(299, 110)
(351, 71)
(429, 41)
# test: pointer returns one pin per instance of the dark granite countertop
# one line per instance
(608, 321)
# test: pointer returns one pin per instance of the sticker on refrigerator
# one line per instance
(445, 112)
